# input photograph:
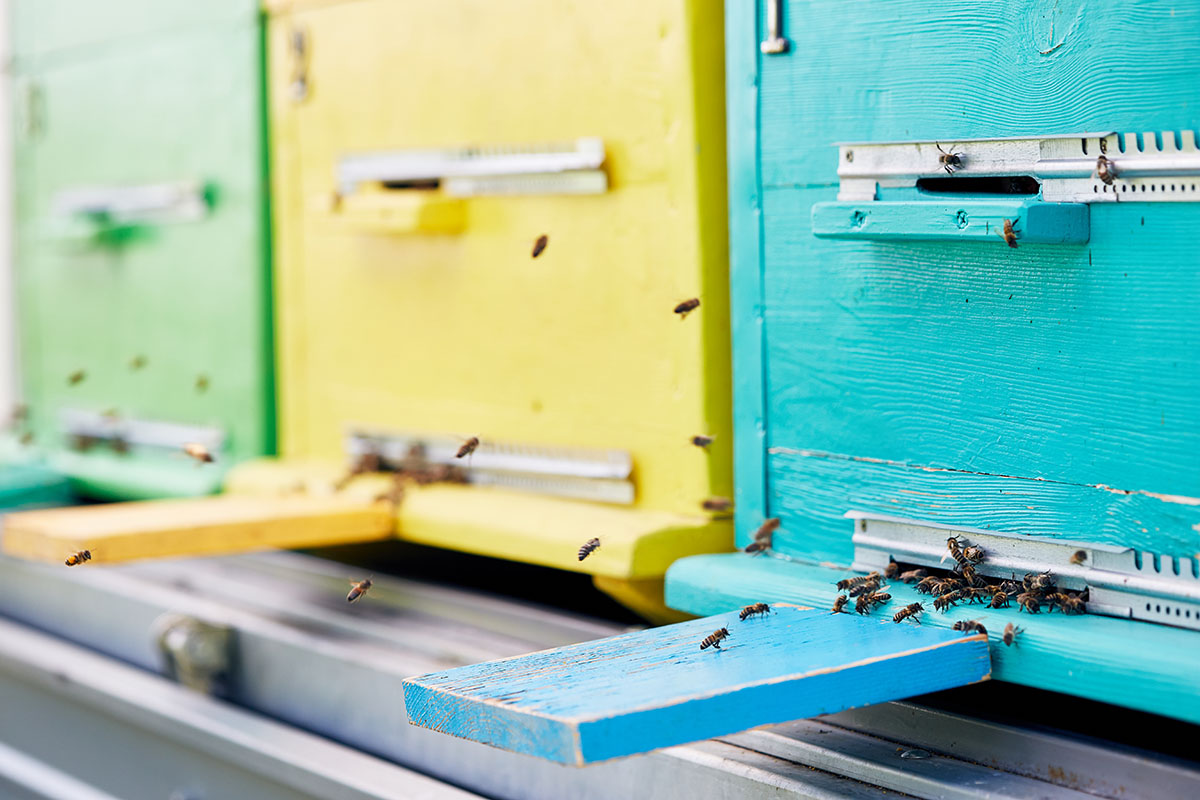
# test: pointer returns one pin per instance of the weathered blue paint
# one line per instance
(1139, 665)
(655, 688)
(972, 219)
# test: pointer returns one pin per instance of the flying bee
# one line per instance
(766, 532)
(26, 438)
(358, 589)
(137, 362)
(849, 583)
(752, 610)
(717, 504)
(701, 440)
(866, 587)
(970, 626)
(892, 570)
(913, 575)
(756, 548)
(78, 558)
(946, 601)
(950, 161)
(540, 245)
(839, 604)
(468, 447)
(76, 377)
(201, 384)
(198, 452)
(590, 546)
(1010, 634)
(1078, 557)
(1028, 601)
(687, 307)
(714, 639)
(1009, 235)
(1106, 170)
(999, 600)
(910, 611)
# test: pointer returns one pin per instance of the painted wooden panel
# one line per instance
(1139, 665)
(186, 299)
(29, 485)
(466, 333)
(641, 691)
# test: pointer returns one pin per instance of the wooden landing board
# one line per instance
(193, 527)
(655, 688)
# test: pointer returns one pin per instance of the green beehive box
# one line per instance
(142, 247)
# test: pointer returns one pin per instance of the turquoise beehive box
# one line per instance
(903, 374)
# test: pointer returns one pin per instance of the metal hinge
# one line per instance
(195, 653)
(1121, 581)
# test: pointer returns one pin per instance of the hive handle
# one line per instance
(775, 43)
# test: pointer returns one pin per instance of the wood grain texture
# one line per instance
(655, 688)
(192, 527)
(1134, 664)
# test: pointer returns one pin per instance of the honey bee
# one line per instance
(137, 362)
(839, 604)
(468, 447)
(913, 575)
(717, 504)
(1041, 582)
(973, 554)
(76, 377)
(999, 599)
(756, 547)
(866, 587)
(687, 307)
(970, 577)
(590, 546)
(910, 611)
(946, 601)
(970, 626)
(700, 440)
(926, 584)
(950, 161)
(1008, 233)
(1078, 557)
(20, 413)
(892, 570)
(1028, 601)
(1012, 586)
(539, 245)
(863, 604)
(359, 588)
(26, 438)
(878, 598)
(1106, 170)
(201, 384)
(78, 558)
(946, 585)
(1010, 634)
(714, 639)
(367, 462)
(1068, 603)
(850, 583)
(752, 610)
(119, 444)
(978, 593)
(198, 452)
(765, 535)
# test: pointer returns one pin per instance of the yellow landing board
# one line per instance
(194, 527)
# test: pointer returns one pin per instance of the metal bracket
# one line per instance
(600, 475)
(92, 426)
(195, 653)
(1121, 581)
(128, 205)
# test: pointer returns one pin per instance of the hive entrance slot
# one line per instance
(992, 184)
(431, 183)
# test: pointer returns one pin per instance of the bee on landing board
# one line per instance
(358, 589)
(999, 599)
(849, 583)
(714, 639)
(752, 610)
(539, 246)
(1010, 634)
(839, 605)
(866, 587)
(590, 546)
(78, 558)
(1009, 235)
(913, 575)
(199, 452)
(687, 307)
(701, 440)
(910, 611)
(717, 504)
(970, 626)
(468, 447)
(950, 161)
(1028, 601)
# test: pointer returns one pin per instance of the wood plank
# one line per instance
(655, 688)
(1100, 658)
(192, 527)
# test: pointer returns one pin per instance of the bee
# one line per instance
(1010, 634)
(954, 546)
(714, 639)
(1011, 586)
(1106, 170)
(849, 583)
(910, 611)
(978, 593)
(765, 534)
(468, 447)
(970, 626)
(950, 161)
(1039, 583)
(839, 604)
(926, 584)
(81, 442)
(878, 598)
(866, 587)
(539, 245)
(756, 547)
(20, 413)
(687, 307)
(945, 585)
(1028, 601)
(137, 362)
(367, 462)
(1009, 235)
(700, 440)
(1078, 557)
(1068, 603)
(717, 504)
(76, 377)
(395, 495)
(359, 588)
(970, 576)
(198, 452)
(863, 604)
(750, 611)
(973, 554)
(892, 570)
(78, 558)
(913, 575)
(946, 601)
(999, 599)
(201, 384)
(589, 547)
(26, 438)
(119, 444)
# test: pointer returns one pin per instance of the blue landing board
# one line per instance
(656, 688)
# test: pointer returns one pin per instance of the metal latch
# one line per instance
(195, 653)
(1121, 582)
(128, 205)
(88, 427)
